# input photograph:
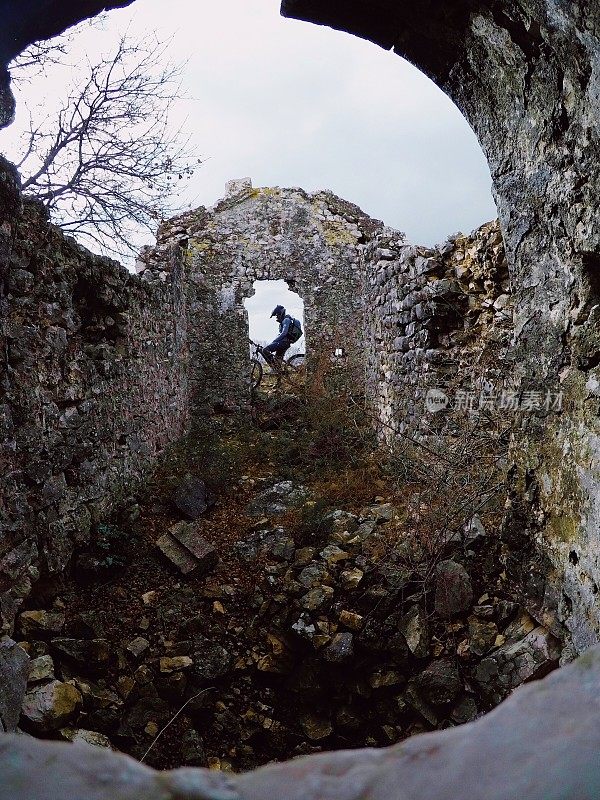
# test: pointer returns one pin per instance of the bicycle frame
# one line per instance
(281, 368)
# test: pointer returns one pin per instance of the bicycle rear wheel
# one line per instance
(295, 370)
(256, 373)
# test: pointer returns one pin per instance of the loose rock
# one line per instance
(48, 708)
(41, 669)
(191, 497)
(340, 649)
(35, 622)
(453, 590)
(316, 728)
(415, 628)
(187, 549)
(14, 668)
(88, 737)
(440, 683)
(138, 646)
(175, 664)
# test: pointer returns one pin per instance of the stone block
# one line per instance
(187, 549)
(177, 554)
(190, 538)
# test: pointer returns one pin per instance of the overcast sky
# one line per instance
(288, 103)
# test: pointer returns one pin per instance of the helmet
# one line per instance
(278, 311)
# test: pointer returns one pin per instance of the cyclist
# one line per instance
(289, 332)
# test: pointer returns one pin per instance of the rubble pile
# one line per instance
(302, 629)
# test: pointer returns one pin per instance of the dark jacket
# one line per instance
(284, 327)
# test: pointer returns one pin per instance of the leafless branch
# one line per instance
(108, 163)
(39, 56)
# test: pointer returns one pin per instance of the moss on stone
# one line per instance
(336, 235)
(563, 529)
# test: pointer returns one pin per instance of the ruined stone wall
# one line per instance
(93, 387)
(526, 75)
(104, 368)
(441, 319)
(313, 241)
(408, 318)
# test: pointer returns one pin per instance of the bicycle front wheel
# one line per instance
(256, 373)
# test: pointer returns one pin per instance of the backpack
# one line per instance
(294, 331)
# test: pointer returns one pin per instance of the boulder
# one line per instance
(439, 684)
(191, 497)
(453, 590)
(49, 707)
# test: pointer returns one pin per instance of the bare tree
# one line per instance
(107, 162)
(38, 57)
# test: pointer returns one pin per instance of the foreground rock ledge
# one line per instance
(540, 744)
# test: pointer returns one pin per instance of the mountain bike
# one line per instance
(291, 370)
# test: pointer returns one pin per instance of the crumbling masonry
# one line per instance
(526, 76)
(105, 368)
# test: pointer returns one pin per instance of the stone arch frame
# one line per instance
(314, 241)
(526, 75)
